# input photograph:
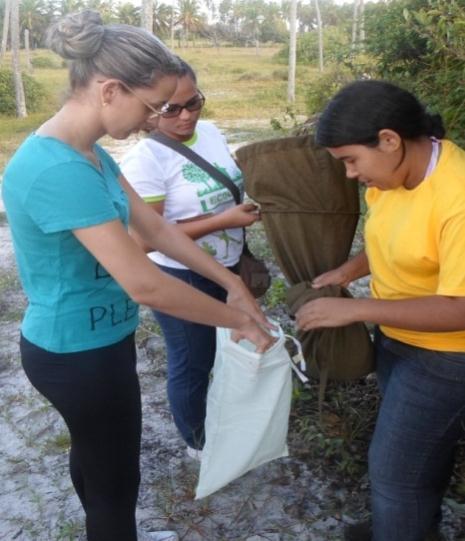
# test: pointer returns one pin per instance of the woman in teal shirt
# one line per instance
(69, 209)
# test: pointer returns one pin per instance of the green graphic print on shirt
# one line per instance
(211, 195)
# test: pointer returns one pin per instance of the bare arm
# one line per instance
(146, 284)
(435, 313)
(354, 268)
(154, 231)
(238, 216)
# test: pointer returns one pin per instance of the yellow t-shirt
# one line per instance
(415, 242)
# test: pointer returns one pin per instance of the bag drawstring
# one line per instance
(298, 359)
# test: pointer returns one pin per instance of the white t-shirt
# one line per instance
(159, 173)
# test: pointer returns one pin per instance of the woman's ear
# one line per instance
(389, 140)
(108, 91)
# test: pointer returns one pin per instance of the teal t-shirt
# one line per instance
(49, 189)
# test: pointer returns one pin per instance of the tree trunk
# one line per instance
(146, 16)
(27, 51)
(172, 28)
(18, 80)
(6, 26)
(320, 35)
(354, 27)
(292, 52)
(362, 23)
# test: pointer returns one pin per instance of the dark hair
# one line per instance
(186, 70)
(118, 51)
(358, 112)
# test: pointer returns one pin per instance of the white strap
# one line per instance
(299, 359)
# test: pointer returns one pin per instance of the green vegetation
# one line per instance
(420, 45)
(59, 443)
(33, 90)
(241, 88)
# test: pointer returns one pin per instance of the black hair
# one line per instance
(358, 112)
(186, 69)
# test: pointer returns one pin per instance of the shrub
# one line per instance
(33, 90)
(321, 89)
(280, 75)
(335, 45)
(419, 45)
(46, 62)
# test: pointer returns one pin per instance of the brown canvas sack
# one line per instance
(310, 212)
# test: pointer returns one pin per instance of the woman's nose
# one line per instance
(351, 172)
(185, 114)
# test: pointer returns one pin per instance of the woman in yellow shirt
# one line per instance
(414, 251)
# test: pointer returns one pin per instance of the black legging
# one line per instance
(97, 392)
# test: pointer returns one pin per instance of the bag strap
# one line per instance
(298, 359)
(200, 162)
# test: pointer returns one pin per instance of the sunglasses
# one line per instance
(195, 104)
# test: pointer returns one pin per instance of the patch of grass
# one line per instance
(11, 301)
(14, 130)
(69, 531)
(276, 294)
(58, 443)
(9, 282)
(338, 438)
(147, 329)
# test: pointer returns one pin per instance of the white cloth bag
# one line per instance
(248, 405)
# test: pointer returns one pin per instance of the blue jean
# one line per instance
(421, 419)
(191, 349)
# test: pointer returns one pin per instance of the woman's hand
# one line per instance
(326, 312)
(334, 277)
(354, 268)
(240, 297)
(254, 333)
(241, 215)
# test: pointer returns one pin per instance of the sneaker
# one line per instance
(157, 536)
(195, 454)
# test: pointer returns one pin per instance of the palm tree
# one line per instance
(146, 19)
(6, 26)
(128, 14)
(161, 18)
(190, 18)
(106, 9)
(33, 16)
(69, 6)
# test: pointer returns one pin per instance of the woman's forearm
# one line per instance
(356, 267)
(435, 313)
(199, 227)
(171, 241)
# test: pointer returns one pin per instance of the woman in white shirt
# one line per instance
(206, 211)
